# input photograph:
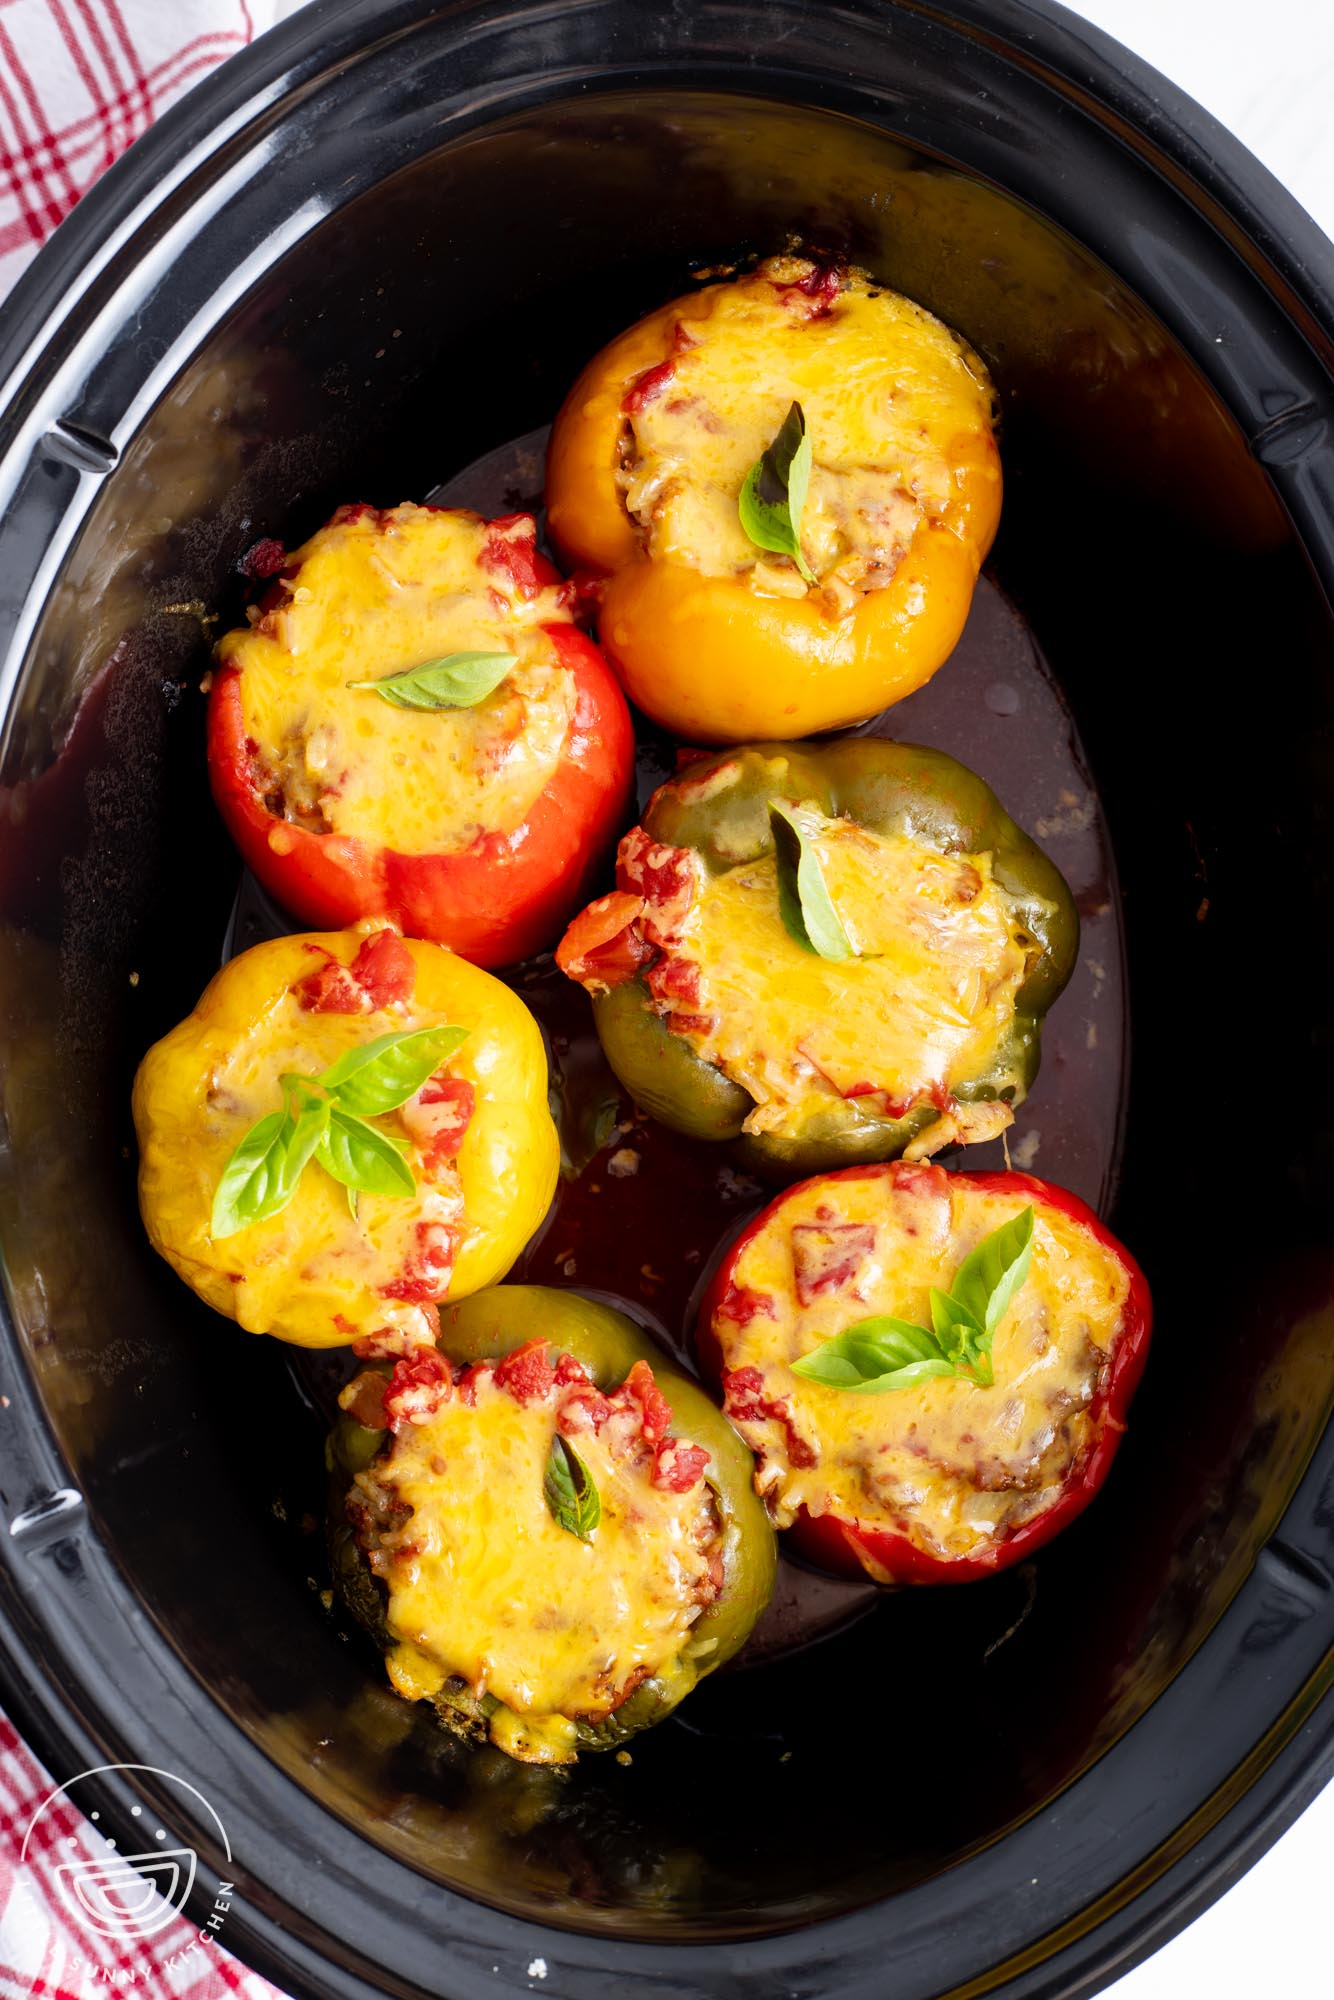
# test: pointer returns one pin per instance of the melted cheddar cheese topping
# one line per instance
(949, 1464)
(887, 392)
(485, 1585)
(923, 1007)
(375, 594)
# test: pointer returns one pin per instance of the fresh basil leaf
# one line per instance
(455, 680)
(773, 493)
(804, 902)
(883, 1342)
(364, 1158)
(312, 1120)
(261, 1175)
(567, 1486)
(905, 1377)
(251, 1182)
(953, 1324)
(875, 1355)
(384, 1073)
(882, 1353)
(980, 1363)
(988, 1279)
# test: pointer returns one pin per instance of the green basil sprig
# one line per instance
(804, 902)
(362, 1158)
(260, 1177)
(773, 494)
(325, 1118)
(455, 680)
(568, 1489)
(380, 1075)
(882, 1353)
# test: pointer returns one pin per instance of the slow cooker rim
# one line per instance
(1040, 34)
(1289, 242)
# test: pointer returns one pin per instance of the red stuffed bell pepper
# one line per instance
(933, 1369)
(412, 727)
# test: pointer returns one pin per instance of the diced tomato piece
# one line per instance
(509, 548)
(666, 877)
(330, 988)
(744, 1402)
(570, 1373)
(437, 1119)
(675, 979)
(827, 1256)
(742, 1389)
(527, 1373)
(583, 1409)
(603, 947)
(742, 1304)
(470, 1380)
(818, 290)
(691, 1024)
(263, 558)
(427, 1275)
(385, 1343)
(420, 1383)
(655, 1410)
(385, 969)
(646, 388)
(678, 1466)
(922, 1179)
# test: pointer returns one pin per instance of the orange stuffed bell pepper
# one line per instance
(349, 1128)
(788, 483)
(413, 728)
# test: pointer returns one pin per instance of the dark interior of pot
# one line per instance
(1144, 563)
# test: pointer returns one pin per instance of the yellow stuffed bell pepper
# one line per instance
(788, 483)
(349, 1128)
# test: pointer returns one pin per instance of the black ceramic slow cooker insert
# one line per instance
(363, 256)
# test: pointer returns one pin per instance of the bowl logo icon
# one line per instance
(128, 1895)
(130, 1890)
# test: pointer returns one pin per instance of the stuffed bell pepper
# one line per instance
(347, 1129)
(413, 728)
(788, 483)
(551, 1531)
(932, 1369)
(838, 953)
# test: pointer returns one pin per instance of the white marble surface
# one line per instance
(1265, 68)
(1267, 72)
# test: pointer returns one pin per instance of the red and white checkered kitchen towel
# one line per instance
(71, 1929)
(79, 80)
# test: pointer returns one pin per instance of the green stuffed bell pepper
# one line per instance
(836, 953)
(552, 1532)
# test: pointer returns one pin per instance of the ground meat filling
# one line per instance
(951, 1466)
(886, 390)
(491, 1604)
